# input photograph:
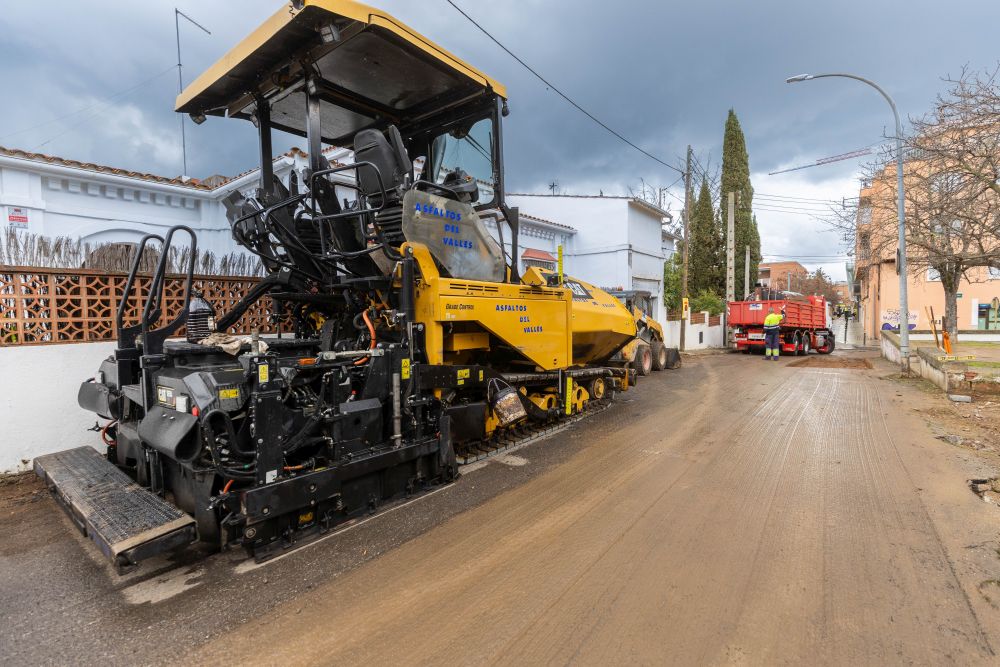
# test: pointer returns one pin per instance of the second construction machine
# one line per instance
(414, 341)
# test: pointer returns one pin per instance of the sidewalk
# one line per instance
(852, 336)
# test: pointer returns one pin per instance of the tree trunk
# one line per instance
(951, 307)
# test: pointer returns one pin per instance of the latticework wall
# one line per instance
(44, 306)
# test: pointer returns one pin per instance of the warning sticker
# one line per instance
(165, 395)
(404, 369)
(229, 393)
(263, 373)
(464, 374)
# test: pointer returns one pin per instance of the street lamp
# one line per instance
(904, 312)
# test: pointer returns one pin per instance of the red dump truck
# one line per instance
(806, 327)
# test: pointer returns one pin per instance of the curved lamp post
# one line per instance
(904, 312)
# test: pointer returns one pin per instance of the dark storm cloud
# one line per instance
(663, 73)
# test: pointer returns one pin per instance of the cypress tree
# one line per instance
(736, 178)
(706, 258)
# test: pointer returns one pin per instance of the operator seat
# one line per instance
(387, 153)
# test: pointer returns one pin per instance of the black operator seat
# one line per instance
(387, 153)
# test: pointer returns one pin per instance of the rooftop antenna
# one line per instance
(180, 79)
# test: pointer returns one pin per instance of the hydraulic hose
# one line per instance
(371, 332)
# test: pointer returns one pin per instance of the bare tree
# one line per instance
(817, 283)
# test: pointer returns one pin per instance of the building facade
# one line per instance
(780, 275)
(57, 197)
(877, 282)
(619, 242)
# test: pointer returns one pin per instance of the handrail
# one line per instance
(126, 335)
(152, 339)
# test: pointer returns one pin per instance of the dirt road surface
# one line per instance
(731, 512)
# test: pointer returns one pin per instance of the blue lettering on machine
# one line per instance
(456, 237)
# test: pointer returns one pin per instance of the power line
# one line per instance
(791, 198)
(796, 202)
(88, 107)
(808, 256)
(793, 207)
(811, 214)
(101, 107)
(562, 94)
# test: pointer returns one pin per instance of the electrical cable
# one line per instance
(562, 94)
(764, 195)
(89, 106)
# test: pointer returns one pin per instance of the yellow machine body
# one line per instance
(551, 328)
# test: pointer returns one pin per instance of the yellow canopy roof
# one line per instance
(369, 64)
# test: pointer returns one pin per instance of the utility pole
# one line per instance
(180, 79)
(687, 234)
(789, 277)
(746, 275)
(730, 256)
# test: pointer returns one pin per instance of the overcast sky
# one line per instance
(93, 81)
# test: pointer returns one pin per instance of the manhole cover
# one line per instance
(832, 362)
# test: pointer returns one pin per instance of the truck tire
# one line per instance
(829, 343)
(643, 360)
(806, 344)
(659, 355)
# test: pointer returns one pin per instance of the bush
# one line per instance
(710, 301)
(672, 282)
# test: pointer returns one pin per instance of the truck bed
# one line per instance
(798, 314)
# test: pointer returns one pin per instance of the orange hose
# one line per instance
(104, 433)
(292, 468)
(371, 332)
(228, 485)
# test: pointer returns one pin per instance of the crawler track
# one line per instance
(525, 434)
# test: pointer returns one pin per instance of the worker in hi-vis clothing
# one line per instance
(772, 334)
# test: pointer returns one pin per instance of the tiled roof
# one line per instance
(102, 169)
(546, 194)
(531, 253)
(547, 222)
(636, 200)
(209, 184)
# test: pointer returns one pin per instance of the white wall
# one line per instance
(537, 235)
(618, 242)
(38, 400)
(98, 206)
(711, 337)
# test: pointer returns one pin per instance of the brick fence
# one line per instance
(44, 306)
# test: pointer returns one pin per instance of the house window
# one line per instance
(995, 273)
(933, 275)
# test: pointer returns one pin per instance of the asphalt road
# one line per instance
(731, 512)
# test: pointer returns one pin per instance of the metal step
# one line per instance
(127, 522)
